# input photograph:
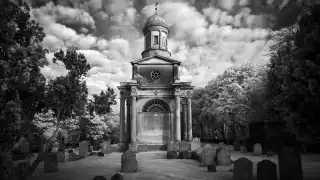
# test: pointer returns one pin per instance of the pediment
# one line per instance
(155, 60)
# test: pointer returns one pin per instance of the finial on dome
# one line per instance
(156, 8)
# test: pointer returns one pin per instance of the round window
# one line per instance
(155, 74)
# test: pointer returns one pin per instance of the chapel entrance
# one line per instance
(153, 122)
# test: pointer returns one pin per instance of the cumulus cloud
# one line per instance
(207, 36)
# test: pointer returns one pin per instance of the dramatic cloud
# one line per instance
(206, 36)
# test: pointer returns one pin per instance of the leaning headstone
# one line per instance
(50, 163)
(207, 157)
(223, 158)
(266, 170)
(83, 148)
(243, 169)
(99, 178)
(61, 156)
(117, 176)
(129, 162)
(257, 149)
(290, 166)
(72, 156)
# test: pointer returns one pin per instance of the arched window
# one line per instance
(156, 105)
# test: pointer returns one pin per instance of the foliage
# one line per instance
(101, 104)
(21, 56)
(294, 75)
(65, 93)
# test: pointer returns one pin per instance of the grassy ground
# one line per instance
(153, 165)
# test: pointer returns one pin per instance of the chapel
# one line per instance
(155, 107)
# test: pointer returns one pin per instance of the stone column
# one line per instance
(122, 120)
(177, 116)
(128, 127)
(189, 119)
(133, 120)
(185, 121)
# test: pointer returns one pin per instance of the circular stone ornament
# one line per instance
(155, 74)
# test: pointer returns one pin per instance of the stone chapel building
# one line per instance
(155, 107)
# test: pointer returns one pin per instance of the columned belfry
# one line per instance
(155, 107)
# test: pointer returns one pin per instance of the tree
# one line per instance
(65, 93)
(101, 104)
(226, 98)
(21, 83)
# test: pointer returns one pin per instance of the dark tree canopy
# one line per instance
(101, 104)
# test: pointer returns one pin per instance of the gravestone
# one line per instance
(90, 149)
(194, 145)
(100, 154)
(266, 170)
(61, 156)
(172, 155)
(223, 158)
(198, 153)
(99, 178)
(212, 168)
(72, 156)
(129, 162)
(83, 148)
(242, 169)
(207, 146)
(106, 147)
(290, 166)
(24, 146)
(117, 176)
(50, 163)
(221, 145)
(21, 170)
(257, 149)
(184, 150)
(207, 157)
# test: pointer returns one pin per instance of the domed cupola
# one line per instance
(155, 37)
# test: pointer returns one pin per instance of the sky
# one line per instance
(207, 36)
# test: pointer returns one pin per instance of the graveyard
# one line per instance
(154, 165)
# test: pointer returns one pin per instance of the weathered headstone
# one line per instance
(172, 155)
(198, 153)
(208, 146)
(129, 162)
(184, 148)
(24, 146)
(290, 166)
(243, 169)
(99, 178)
(61, 156)
(83, 148)
(207, 157)
(72, 156)
(212, 168)
(90, 149)
(223, 158)
(117, 176)
(266, 170)
(221, 145)
(194, 145)
(257, 149)
(106, 147)
(51, 163)
(100, 154)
